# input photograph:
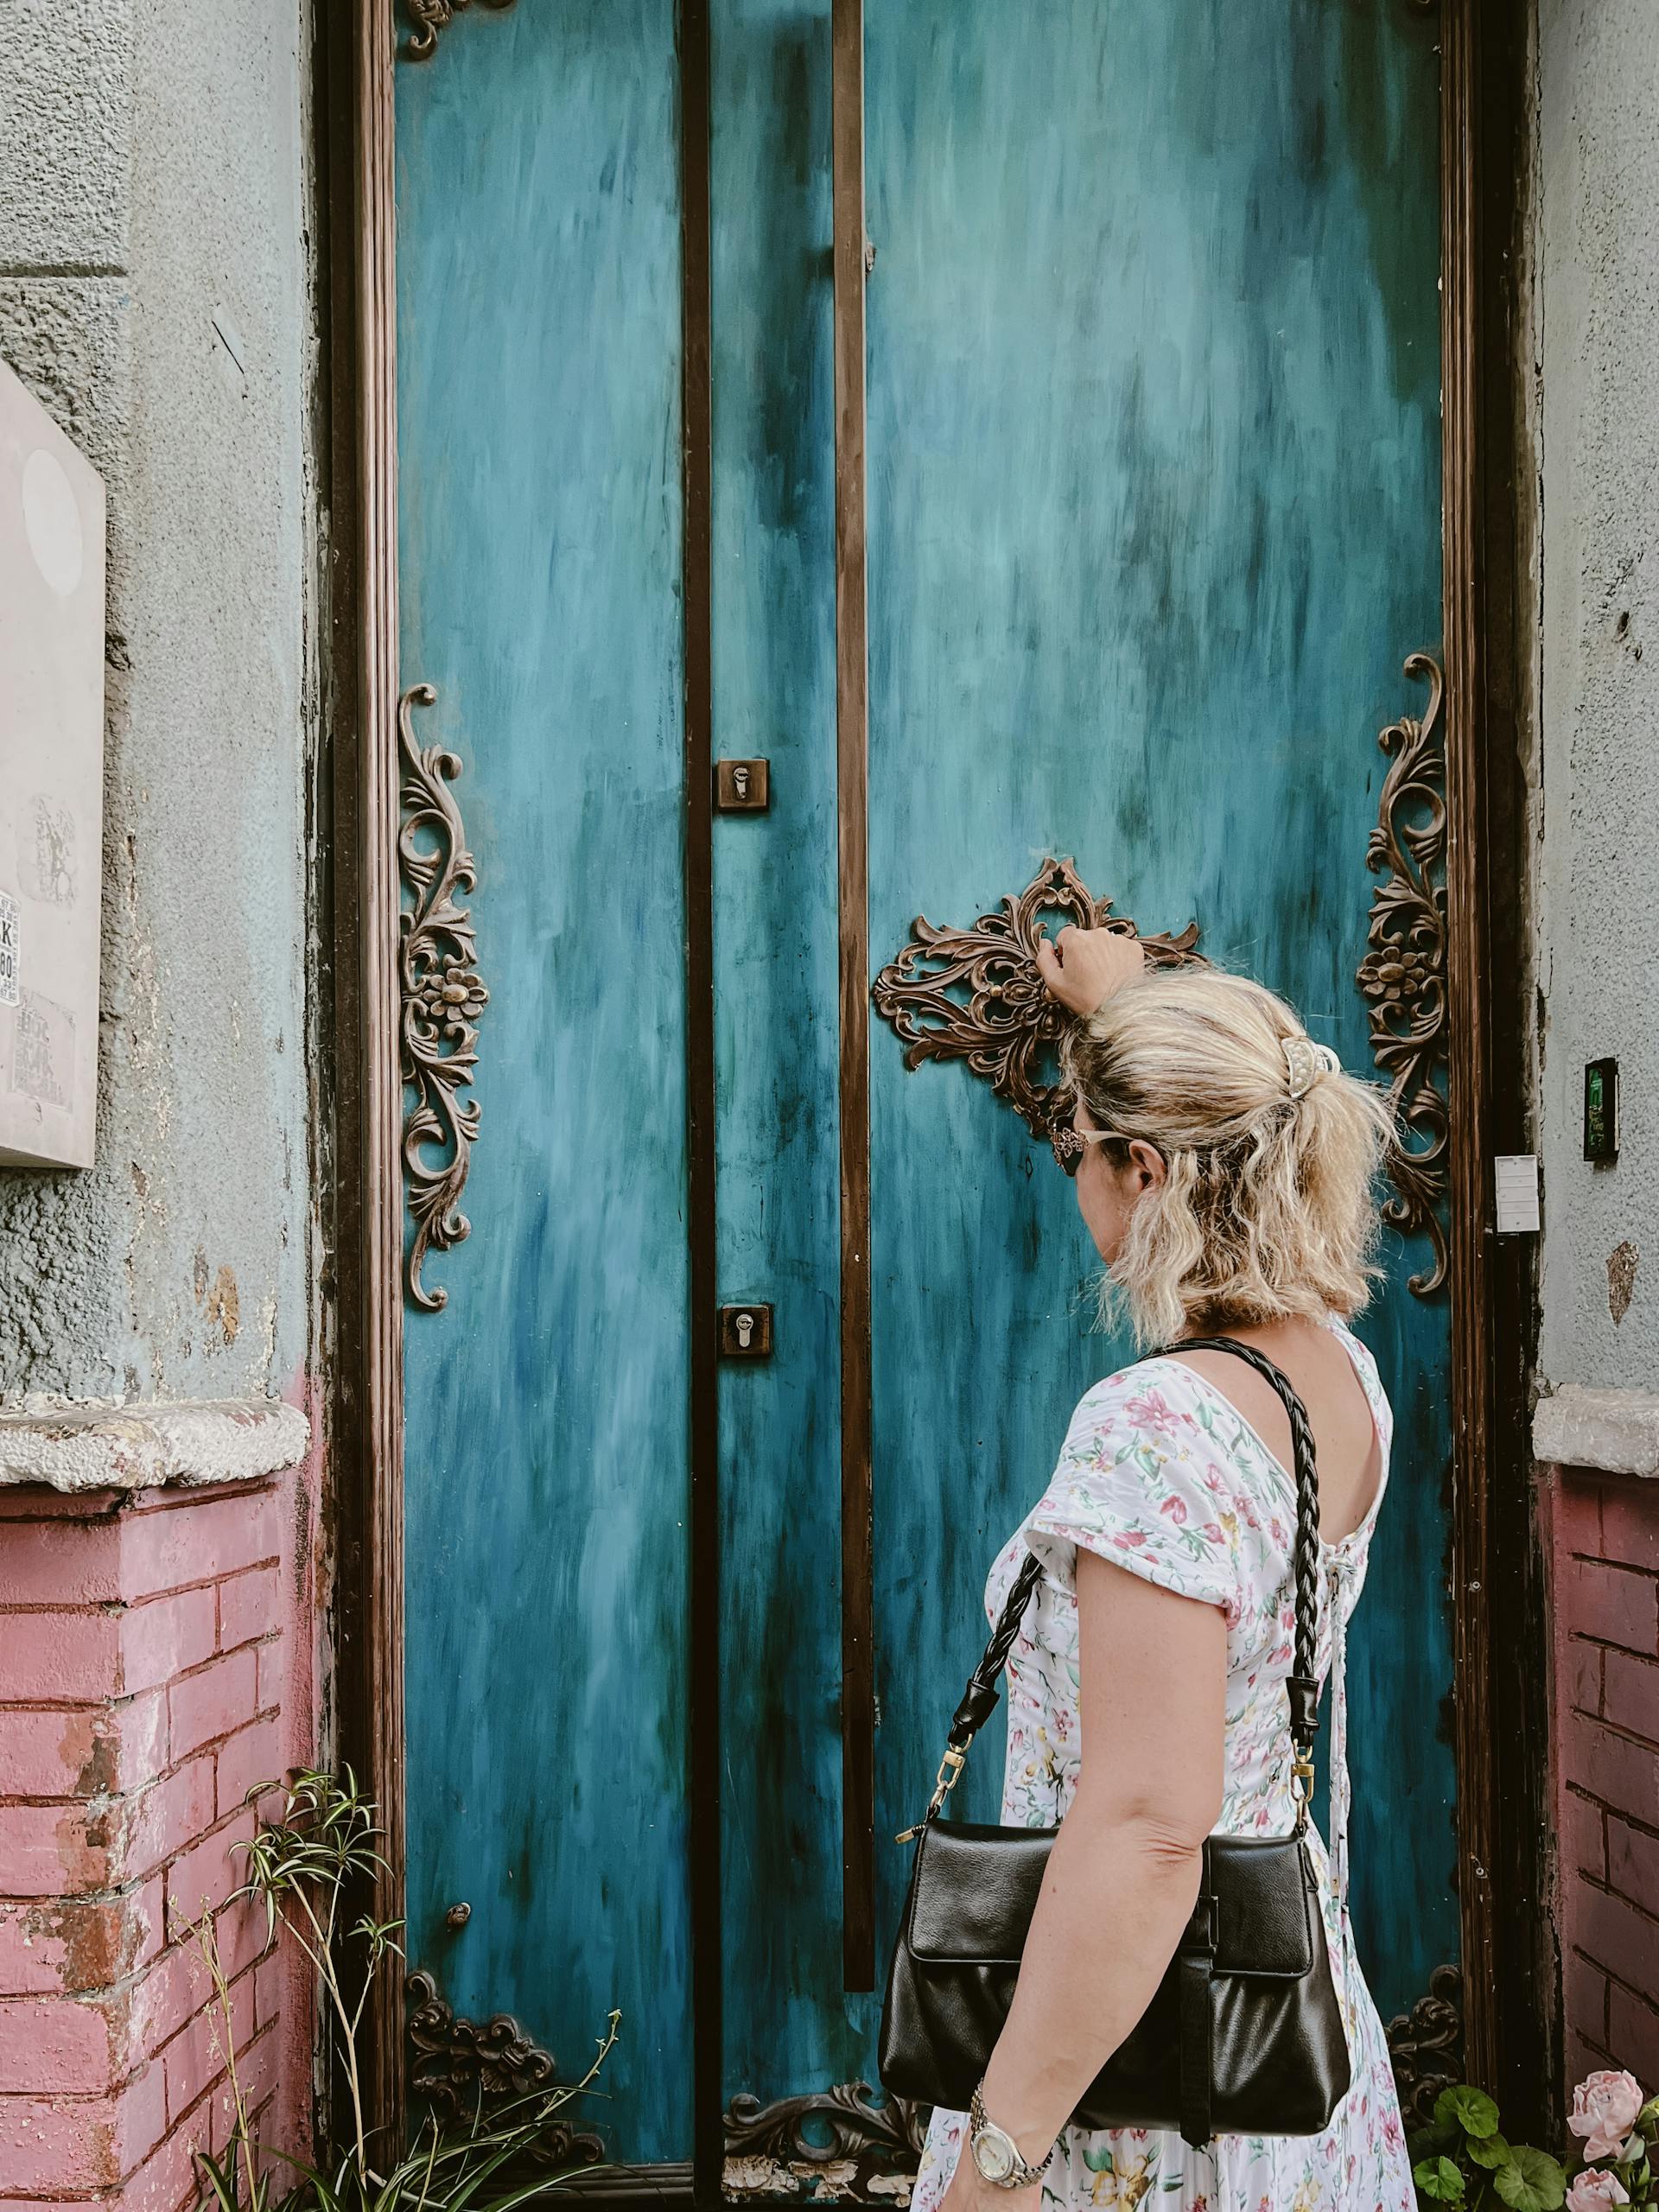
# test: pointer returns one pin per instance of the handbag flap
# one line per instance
(974, 1889)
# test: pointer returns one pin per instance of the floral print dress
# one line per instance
(1159, 1474)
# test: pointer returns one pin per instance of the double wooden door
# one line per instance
(1152, 486)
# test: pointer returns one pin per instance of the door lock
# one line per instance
(745, 1332)
(742, 786)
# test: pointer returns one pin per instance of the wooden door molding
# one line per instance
(1496, 1608)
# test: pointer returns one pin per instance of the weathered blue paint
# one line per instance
(539, 364)
(1154, 495)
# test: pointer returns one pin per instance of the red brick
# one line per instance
(1633, 2033)
(65, 1753)
(1615, 1603)
(250, 1607)
(71, 1944)
(160, 1820)
(1583, 1672)
(270, 1988)
(166, 1637)
(1584, 1843)
(1614, 1935)
(60, 1564)
(65, 1658)
(54, 2045)
(54, 1851)
(202, 1542)
(1622, 1773)
(1633, 1865)
(1578, 1514)
(252, 1755)
(1584, 1997)
(209, 1872)
(1630, 1524)
(214, 1702)
(1630, 1694)
(1582, 2057)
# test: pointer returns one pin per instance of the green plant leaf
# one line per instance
(1440, 2180)
(1532, 2182)
(1472, 2110)
(1488, 2150)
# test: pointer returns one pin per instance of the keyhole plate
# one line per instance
(745, 1332)
(742, 786)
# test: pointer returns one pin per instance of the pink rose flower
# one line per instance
(1604, 2106)
(1594, 2191)
(1175, 1509)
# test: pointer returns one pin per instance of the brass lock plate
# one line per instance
(742, 786)
(745, 1332)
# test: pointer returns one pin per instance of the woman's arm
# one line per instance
(1123, 1873)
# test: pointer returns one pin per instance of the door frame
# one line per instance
(1501, 1717)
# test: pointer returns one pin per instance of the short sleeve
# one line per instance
(1142, 1481)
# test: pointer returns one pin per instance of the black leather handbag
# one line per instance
(1243, 2035)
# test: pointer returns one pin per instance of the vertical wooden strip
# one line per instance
(703, 1512)
(1469, 1098)
(381, 1473)
(852, 769)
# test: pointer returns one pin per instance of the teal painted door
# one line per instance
(1154, 499)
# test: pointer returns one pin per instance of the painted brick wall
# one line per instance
(148, 1675)
(1603, 1540)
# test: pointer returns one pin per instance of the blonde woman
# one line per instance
(1224, 1167)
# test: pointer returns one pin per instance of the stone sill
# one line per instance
(73, 1444)
(1613, 1432)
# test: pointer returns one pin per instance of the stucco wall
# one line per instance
(154, 292)
(1597, 309)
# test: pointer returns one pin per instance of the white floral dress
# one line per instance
(1160, 1475)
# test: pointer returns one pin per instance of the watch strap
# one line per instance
(1020, 2175)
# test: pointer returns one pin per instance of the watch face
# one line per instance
(994, 2154)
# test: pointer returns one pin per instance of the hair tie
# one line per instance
(1306, 1062)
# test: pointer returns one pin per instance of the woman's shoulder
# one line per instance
(1157, 1400)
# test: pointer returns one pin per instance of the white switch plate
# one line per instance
(1514, 1186)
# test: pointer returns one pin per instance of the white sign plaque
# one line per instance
(1515, 1182)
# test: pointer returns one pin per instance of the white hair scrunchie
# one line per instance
(1306, 1062)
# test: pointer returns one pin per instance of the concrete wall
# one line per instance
(154, 294)
(1597, 319)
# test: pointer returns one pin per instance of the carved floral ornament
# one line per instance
(443, 998)
(428, 17)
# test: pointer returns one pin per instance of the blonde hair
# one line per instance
(1269, 1207)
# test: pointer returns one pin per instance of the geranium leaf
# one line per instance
(1532, 2182)
(1440, 2179)
(1472, 2110)
(1488, 2150)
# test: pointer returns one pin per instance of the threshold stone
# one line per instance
(105, 1444)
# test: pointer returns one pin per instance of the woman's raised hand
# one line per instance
(1082, 968)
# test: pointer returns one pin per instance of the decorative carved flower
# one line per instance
(1400, 973)
(446, 992)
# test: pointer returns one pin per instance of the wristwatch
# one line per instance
(997, 2155)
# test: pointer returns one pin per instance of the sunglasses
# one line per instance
(1069, 1145)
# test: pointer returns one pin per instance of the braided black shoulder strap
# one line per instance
(979, 1698)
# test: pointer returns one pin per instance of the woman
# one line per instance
(1224, 1167)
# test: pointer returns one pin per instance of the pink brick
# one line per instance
(168, 2179)
(1584, 1996)
(1633, 1865)
(1583, 1673)
(1633, 2033)
(60, 1562)
(63, 1753)
(166, 1637)
(172, 1991)
(80, 2143)
(1583, 1835)
(1620, 1772)
(1578, 1514)
(52, 1658)
(198, 1542)
(216, 1700)
(270, 1988)
(1614, 1604)
(50, 1851)
(1614, 1936)
(273, 1673)
(1582, 2057)
(70, 1944)
(160, 1820)
(207, 1872)
(1630, 1694)
(141, 1726)
(1630, 1524)
(250, 1605)
(253, 1754)
(53, 2045)
(193, 2059)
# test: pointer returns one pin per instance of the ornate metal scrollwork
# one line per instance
(1403, 975)
(461, 2067)
(1426, 2047)
(842, 2141)
(442, 998)
(1005, 1027)
(429, 17)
